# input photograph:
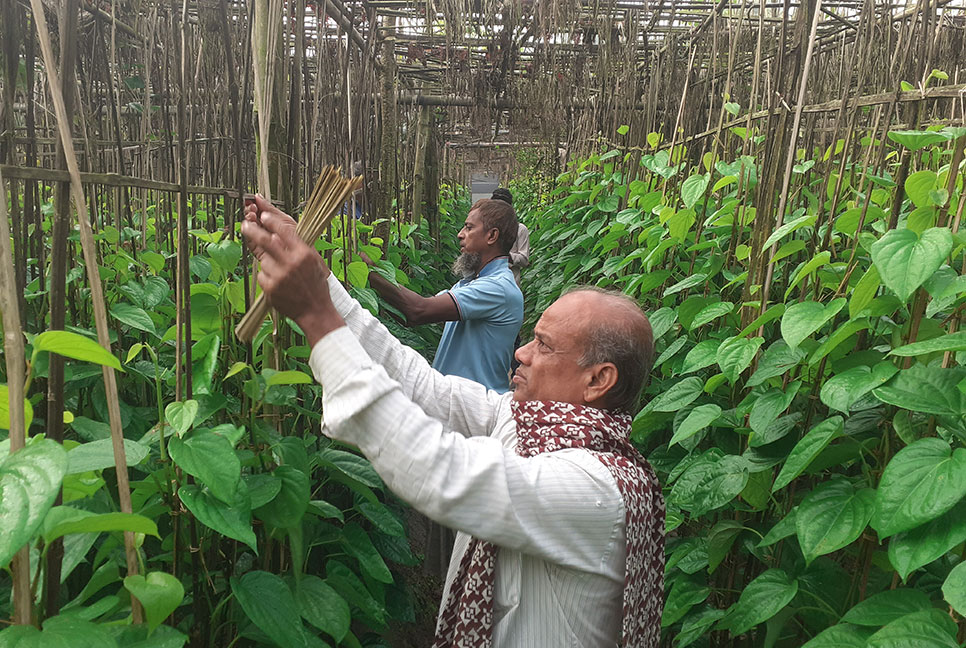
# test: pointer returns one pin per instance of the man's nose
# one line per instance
(519, 354)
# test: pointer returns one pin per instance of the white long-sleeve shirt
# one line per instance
(446, 445)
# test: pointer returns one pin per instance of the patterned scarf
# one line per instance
(466, 620)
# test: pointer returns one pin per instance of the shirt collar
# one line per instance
(494, 266)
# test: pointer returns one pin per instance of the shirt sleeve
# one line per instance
(563, 507)
(480, 299)
(463, 405)
(520, 253)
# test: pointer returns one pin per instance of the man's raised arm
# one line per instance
(309, 288)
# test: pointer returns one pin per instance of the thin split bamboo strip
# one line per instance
(89, 249)
(330, 193)
(16, 374)
(268, 15)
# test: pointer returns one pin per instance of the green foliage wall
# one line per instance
(252, 528)
(811, 442)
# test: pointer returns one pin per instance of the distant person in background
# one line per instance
(519, 255)
(520, 252)
(483, 311)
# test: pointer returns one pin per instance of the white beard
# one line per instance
(467, 265)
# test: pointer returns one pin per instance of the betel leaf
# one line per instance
(802, 319)
(287, 508)
(735, 355)
(915, 140)
(677, 396)
(322, 606)
(353, 590)
(181, 415)
(693, 188)
(802, 221)
(661, 321)
(954, 589)
(262, 488)
(769, 405)
(778, 359)
(919, 184)
(62, 631)
(813, 264)
(709, 484)
(671, 350)
(270, 605)
(209, 457)
(921, 482)
(62, 520)
(913, 549)
(783, 528)
(720, 540)
(905, 260)
(234, 521)
(28, 410)
(702, 355)
(160, 594)
(30, 480)
(805, 451)
(843, 390)
(842, 635)
(356, 543)
(925, 388)
(76, 346)
(931, 628)
(98, 455)
(710, 313)
(950, 342)
(288, 378)
(762, 599)
(134, 317)
(684, 594)
(684, 284)
(695, 625)
(864, 292)
(382, 517)
(697, 419)
(350, 465)
(832, 516)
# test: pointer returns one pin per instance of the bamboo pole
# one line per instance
(330, 194)
(790, 156)
(97, 296)
(16, 374)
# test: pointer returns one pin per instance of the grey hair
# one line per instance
(627, 342)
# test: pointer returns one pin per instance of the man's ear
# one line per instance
(602, 379)
(492, 236)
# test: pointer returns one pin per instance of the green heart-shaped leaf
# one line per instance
(761, 599)
(911, 550)
(921, 482)
(159, 593)
(832, 516)
(802, 319)
(29, 482)
(905, 260)
(269, 603)
(322, 606)
(181, 415)
(211, 458)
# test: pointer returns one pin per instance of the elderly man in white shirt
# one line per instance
(561, 520)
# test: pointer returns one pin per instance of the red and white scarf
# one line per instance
(466, 620)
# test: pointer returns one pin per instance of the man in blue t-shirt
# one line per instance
(483, 311)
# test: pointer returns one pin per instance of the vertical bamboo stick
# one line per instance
(97, 296)
(15, 359)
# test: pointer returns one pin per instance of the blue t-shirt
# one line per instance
(480, 345)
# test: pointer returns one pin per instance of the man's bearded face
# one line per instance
(467, 265)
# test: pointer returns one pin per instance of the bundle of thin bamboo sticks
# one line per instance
(330, 194)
